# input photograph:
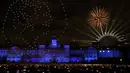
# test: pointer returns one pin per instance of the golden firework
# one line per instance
(98, 17)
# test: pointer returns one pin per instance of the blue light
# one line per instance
(42, 46)
(14, 48)
(75, 59)
(77, 52)
(46, 59)
(35, 60)
(3, 53)
(109, 53)
(66, 46)
(14, 59)
(54, 43)
(62, 59)
(91, 54)
(27, 59)
(89, 59)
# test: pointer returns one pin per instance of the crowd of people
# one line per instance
(64, 68)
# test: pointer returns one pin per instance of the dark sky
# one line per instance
(77, 11)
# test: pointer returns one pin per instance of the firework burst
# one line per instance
(117, 29)
(98, 17)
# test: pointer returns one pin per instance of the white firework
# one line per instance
(96, 35)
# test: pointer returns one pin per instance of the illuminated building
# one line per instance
(55, 52)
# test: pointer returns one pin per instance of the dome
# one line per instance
(108, 41)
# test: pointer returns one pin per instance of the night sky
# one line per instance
(77, 12)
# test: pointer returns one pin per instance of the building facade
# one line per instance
(56, 53)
